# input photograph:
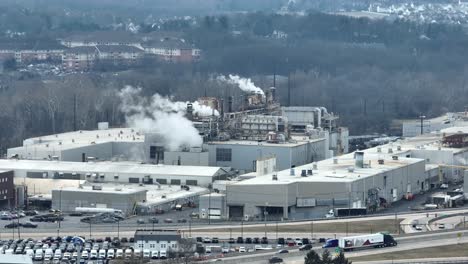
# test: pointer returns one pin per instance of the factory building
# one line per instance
(243, 154)
(356, 180)
(212, 206)
(97, 196)
(115, 172)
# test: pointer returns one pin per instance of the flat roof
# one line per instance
(294, 142)
(104, 189)
(108, 167)
(81, 138)
(328, 171)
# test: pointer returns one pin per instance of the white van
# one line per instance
(119, 253)
(58, 254)
(102, 254)
(162, 254)
(154, 254)
(30, 253)
(38, 254)
(137, 253)
(9, 251)
(85, 254)
(146, 253)
(49, 254)
(128, 253)
(94, 254)
(110, 253)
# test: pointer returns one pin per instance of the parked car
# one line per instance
(275, 260)
(168, 220)
(29, 225)
(232, 240)
(283, 251)
(256, 240)
(214, 240)
(264, 240)
(240, 240)
(140, 221)
(183, 220)
(305, 247)
(12, 225)
(153, 220)
(248, 240)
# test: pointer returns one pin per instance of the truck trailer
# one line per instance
(365, 241)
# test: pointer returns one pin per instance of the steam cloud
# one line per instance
(161, 115)
(245, 84)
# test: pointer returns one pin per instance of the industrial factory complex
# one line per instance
(260, 161)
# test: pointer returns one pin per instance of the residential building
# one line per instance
(7, 189)
(157, 240)
(104, 38)
(173, 50)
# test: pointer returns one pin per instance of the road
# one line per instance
(404, 243)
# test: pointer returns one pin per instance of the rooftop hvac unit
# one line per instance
(97, 188)
(274, 177)
(292, 172)
(351, 169)
(335, 161)
(390, 150)
(395, 157)
(398, 148)
(381, 161)
(304, 173)
(309, 172)
(314, 166)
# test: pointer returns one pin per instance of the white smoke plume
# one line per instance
(160, 115)
(245, 84)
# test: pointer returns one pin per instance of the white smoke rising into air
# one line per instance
(245, 84)
(161, 115)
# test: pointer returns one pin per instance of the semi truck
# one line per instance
(95, 210)
(365, 241)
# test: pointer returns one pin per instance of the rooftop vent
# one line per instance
(314, 166)
(97, 188)
(118, 189)
(398, 148)
(359, 156)
(351, 169)
(274, 177)
(292, 172)
(335, 161)
(381, 161)
(304, 173)
(73, 140)
(379, 149)
(309, 172)
(390, 150)
(394, 157)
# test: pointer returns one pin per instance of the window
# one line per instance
(174, 246)
(152, 152)
(163, 245)
(191, 182)
(223, 154)
(175, 182)
(161, 181)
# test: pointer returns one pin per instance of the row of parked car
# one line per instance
(256, 240)
(11, 215)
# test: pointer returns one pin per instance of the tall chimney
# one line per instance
(221, 108)
(359, 156)
(190, 111)
(273, 94)
(230, 104)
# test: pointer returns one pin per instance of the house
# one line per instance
(161, 241)
(172, 49)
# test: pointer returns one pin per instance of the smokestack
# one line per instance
(190, 111)
(359, 156)
(230, 104)
(221, 107)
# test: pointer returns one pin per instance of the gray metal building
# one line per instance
(212, 206)
(311, 190)
(242, 154)
(125, 199)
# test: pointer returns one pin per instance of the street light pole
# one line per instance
(118, 229)
(422, 117)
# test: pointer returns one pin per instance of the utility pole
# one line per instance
(422, 117)
(118, 228)
(242, 228)
(74, 112)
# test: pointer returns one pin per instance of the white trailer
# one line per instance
(365, 241)
(95, 210)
